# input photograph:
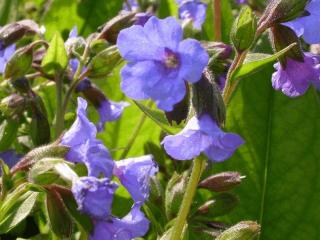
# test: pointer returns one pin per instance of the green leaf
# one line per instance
(256, 61)
(280, 158)
(17, 210)
(55, 59)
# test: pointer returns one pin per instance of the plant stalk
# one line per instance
(60, 115)
(217, 20)
(177, 231)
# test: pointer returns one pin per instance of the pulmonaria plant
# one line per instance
(94, 193)
(202, 135)
(159, 62)
(295, 77)
(307, 25)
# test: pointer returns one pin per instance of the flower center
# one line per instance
(171, 59)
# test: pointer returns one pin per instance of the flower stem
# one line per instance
(217, 20)
(78, 76)
(59, 116)
(231, 84)
(177, 231)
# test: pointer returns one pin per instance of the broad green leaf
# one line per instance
(87, 15)
(18, 211)
(256, 61)
(56, 58)
(280, 158)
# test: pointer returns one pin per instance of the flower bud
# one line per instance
(207, 99)
(220, 205)
(174, 194)
(103, 63)
(112, 28)
(279, 11)
(76, 44)
(21, 84)
(219, 50)
(13, 105)
(53, 150)
(14, 31)
(241, 231)
(283, 36)
(244, 28)
(221, 182)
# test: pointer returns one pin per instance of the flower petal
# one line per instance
(193, 60)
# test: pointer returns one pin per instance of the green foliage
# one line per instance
(279, 158)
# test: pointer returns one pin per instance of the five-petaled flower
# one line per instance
(295, 77)
(202, 134)
(194, 11)
(159, 61)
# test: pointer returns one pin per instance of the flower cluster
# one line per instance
(94, 193)
(159, 61)
(202, 135)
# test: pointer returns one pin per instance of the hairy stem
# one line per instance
(177, 231)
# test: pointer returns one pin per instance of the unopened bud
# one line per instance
(244, 28)
(283, 36)
(98, 45)
(207, 99)
(241, 231)
(14, 31)
(76, 44)
(12, 105)
(219, 50)
(279, 11)
(112, 28)
(174, 194)
(221, 182)
(222, 204)
(103, 63)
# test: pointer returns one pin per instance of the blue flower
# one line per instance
(307, 26)
(134, 174)
(94, 196)
(202, 135)
(5, 55)
(133, 225)
(159, 62)
(84, 147)
(295, 78)
(194, 11)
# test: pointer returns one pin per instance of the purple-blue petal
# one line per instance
(202, 135)
(10, 157)
(94, 196)
(134, 174)
(164, 32)
(110, 111)
(193, 60)
(296, 77)
(133, 225)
